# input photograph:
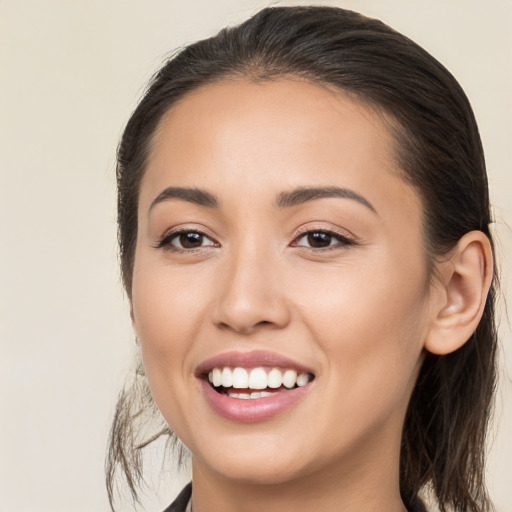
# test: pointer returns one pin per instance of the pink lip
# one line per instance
(250, 360)
(252, 410)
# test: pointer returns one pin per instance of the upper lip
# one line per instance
(251, 359)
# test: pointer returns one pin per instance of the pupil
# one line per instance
(191, 240)
(319, 239)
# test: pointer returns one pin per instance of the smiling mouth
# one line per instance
(254, 383)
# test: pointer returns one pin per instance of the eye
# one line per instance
(186, 240)
(321, 239)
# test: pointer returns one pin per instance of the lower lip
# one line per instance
(254, 409)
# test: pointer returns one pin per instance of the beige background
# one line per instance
(71, 72)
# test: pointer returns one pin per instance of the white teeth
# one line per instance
(227, 378)
(290, 378)
(240, 378)
(275, 378)
(217, 377)
(247, 396)
(258, 379)
(302, 379)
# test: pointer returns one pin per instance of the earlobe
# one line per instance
(465, 281)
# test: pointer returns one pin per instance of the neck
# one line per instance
(366, 482)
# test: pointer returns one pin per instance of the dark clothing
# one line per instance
(181, 502)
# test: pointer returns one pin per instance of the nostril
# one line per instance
(245, 328)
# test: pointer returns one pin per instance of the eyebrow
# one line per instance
(191, 195)
(289, 199)
(304, 194)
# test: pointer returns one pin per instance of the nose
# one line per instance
(252, 295)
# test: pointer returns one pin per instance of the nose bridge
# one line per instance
(250, 291)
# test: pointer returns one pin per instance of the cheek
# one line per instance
(168, 311)
(369, 321)
(167, 306)
(370, 332)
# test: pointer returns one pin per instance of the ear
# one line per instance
(465, 279)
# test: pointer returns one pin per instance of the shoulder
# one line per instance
(181, 502)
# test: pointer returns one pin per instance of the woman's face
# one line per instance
(276, 235)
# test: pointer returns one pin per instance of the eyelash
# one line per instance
(342, 240)
(166, 242)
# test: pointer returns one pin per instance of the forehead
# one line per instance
(242, 113)
(263, 136)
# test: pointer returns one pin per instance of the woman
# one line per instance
(304, 234)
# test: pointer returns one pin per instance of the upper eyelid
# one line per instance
(342, 233)
(326, 231)
(187, 229)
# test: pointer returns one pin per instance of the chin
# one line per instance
(260, 462)
(255, 472)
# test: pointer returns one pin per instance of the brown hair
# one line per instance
(438, 148)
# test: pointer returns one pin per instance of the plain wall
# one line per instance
(71, 72)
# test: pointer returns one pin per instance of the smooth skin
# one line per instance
(337, 283)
